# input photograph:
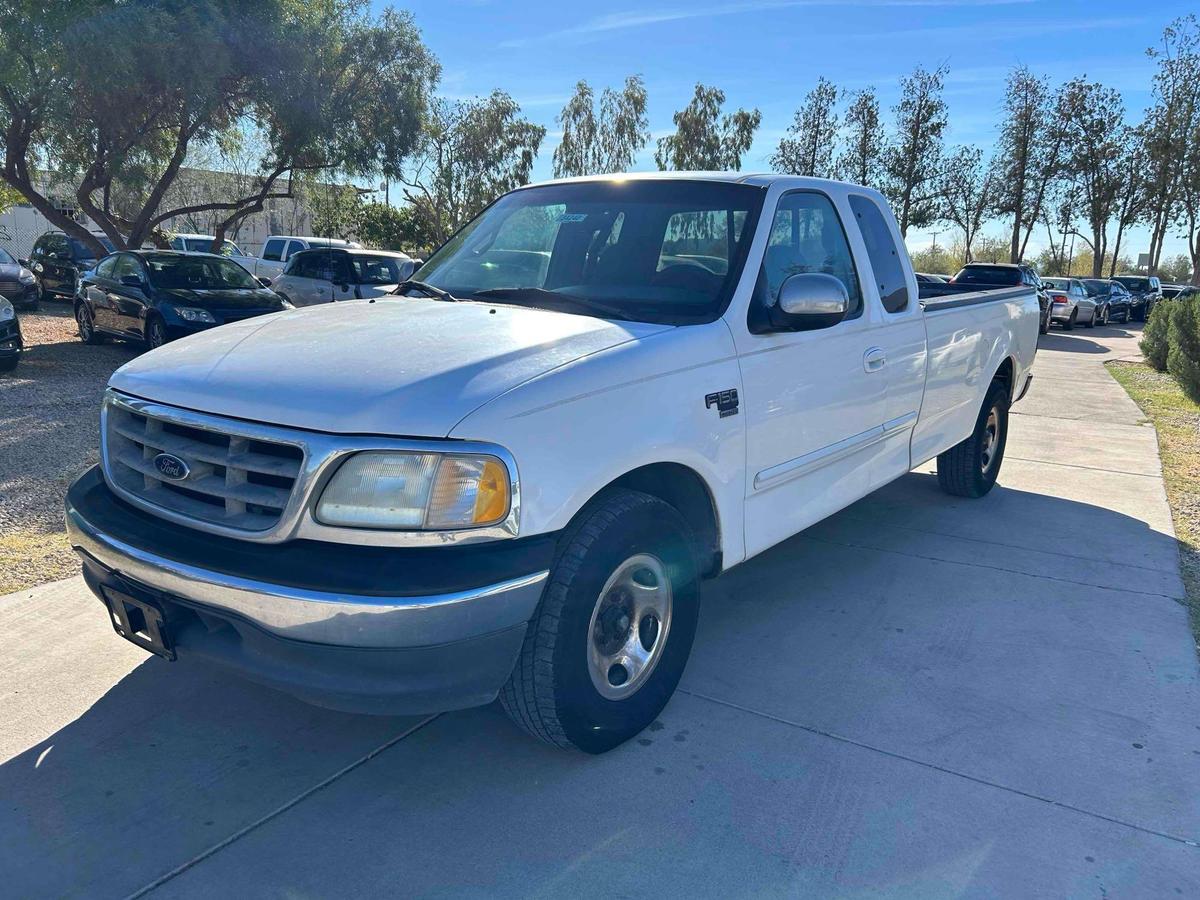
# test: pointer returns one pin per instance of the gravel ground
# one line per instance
(49, 432)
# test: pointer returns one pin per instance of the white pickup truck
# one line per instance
(513, 479)
(278, 249)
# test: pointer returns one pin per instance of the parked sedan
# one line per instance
(1170, 291)
(11, 344)
(1112, 300)
(1144, 292)
(1071, 304)
(158, 295)
(59, 262)
(323, 276)
(17, 284)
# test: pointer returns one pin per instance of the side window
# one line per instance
(881, 248)
(298, 266)
(807, 236)
(339, 269)
(125, 265)
(294, 247)
(105, 269)
(273, 250)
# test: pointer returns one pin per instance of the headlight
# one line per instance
(25, 277)
(6, 311)
(190, 314)
(417, 491)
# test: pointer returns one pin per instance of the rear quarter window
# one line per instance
(886, 263)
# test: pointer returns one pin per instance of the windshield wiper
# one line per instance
(430, 291)
(516, 295)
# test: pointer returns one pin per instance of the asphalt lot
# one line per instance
(922, 696)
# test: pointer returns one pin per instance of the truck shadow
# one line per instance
(912, 620)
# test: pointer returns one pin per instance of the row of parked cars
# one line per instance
(157, 295)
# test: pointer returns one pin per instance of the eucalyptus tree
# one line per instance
(704, 137)
(604, 139)
(470, 153)
(912, 161)
(966, 188)
(863, 139)
(161, 79)
(809, 145)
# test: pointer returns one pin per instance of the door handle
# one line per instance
(874, 359)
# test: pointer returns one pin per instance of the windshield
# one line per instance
(198, 273)
(376, 269)
(1058, 284)
(988, 275)
(204, 245)
(6, 258)
(657, 251)
(1134, 284)
(80, 250)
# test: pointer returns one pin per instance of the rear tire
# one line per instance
(626, 575)
(1070, 323)
(970, 469)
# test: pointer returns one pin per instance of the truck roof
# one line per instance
(763, 179)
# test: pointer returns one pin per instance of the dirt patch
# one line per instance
(49, 433)
(1177, 421)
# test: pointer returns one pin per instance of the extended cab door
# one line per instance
(815, 401)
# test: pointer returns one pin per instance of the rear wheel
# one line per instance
(970, 469)
(1070, 323)
(609, 641)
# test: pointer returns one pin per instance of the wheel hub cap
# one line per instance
(629, 626)
(991, 440)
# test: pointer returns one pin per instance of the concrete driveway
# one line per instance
(922, 696)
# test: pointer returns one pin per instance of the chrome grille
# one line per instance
(232, 480)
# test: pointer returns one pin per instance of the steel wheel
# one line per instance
(990, 442)
(629, 627)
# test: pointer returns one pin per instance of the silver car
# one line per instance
(1070, 304)
(327, 275)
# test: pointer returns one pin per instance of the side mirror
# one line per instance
(808, 301)
(265, 282)
(23, 262)
(131, 281)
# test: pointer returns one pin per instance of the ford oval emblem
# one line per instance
(171, 466)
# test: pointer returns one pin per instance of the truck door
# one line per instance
(898, 343)
(814, 401)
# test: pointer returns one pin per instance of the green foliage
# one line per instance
(470, 153)
(704, 140)
(335, 209)
(1177, 269)
(1155, 341)
(861, 160)
(939, 260)
(600, 141)
(807, 148)
(1183, 354)
(9, 197)
(119, 93)
(912, 162)
(385, 227)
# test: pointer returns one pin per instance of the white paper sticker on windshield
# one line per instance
(572, 217)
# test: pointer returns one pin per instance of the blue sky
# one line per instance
(769, 53)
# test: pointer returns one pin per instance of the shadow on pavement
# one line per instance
(974, 650)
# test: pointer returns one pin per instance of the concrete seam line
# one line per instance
(935, 767)
(975, 565)
(961, 537)
(1025, 415)
(303, 795)
(1047, 462)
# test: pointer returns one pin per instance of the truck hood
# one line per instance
(403, 367)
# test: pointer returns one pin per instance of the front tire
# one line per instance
(87, 325)
(1091, 322)
(970, 469)
(155, 333)
(612, 634)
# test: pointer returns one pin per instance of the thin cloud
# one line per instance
(622, 21)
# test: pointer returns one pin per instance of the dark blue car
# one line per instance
(156, 296)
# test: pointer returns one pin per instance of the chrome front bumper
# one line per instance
(317, 616)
